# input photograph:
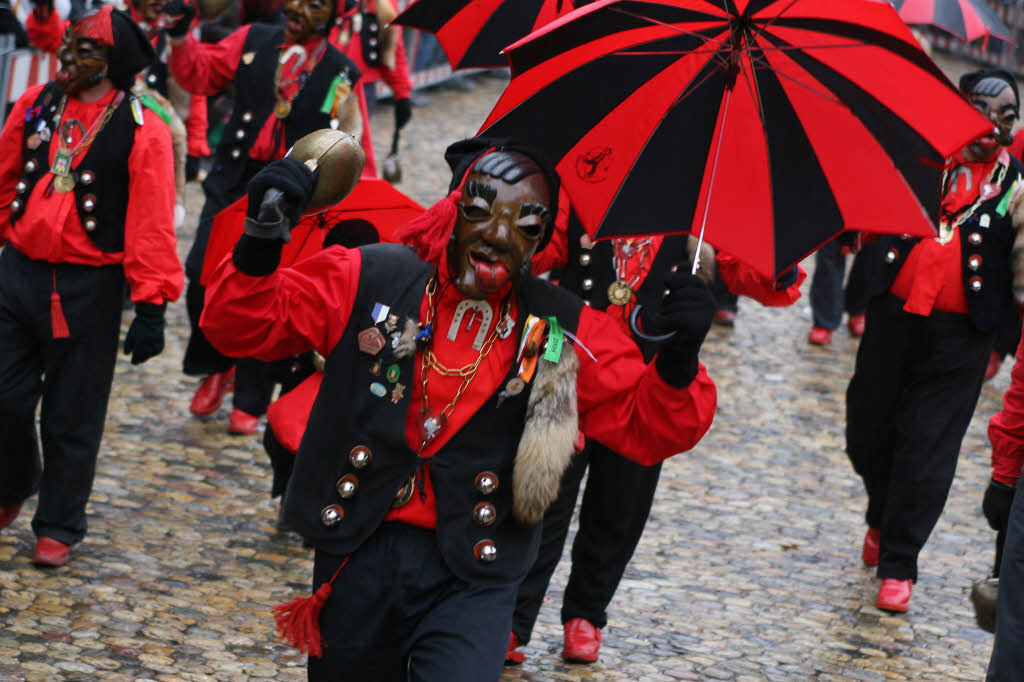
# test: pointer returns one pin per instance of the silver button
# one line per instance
(974, 238)
(240, 134)
(235, 153)
(974, 262)
(588, 284)
(891, 255)
(247, 117)
(151, 79)
(584, 259)
(974, 283)
(348, 486)
(360, 456)
(484, 514)
(86, 177)
(486, 482)
(21, 186)
(331, 516)
(89, 202)
(15, 206)
(485, 551)
(89, 224)
(30, 166)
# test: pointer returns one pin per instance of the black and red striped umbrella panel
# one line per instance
(968, 19)
(815, 115)
(473, 33)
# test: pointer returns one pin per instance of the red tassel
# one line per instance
(58, 323)
(298, 621)
(428, 233)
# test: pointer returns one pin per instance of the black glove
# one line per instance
(191, 168)
(687, 309)
(181, 14)
(267, 228)
(145, 338)
(45, 6)
(403, 112)
(786, 279)
(996, 504)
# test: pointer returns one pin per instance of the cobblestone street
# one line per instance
(749, 569)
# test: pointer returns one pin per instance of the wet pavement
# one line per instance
(749, 568)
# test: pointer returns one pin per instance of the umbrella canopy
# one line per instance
(371, 213)
(473, 33)
(968, 19)
(770, 125)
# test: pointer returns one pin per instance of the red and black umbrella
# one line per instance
(767, 125)
(473, 33)
(967, 19)
(371, 213)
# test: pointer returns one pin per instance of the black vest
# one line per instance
(255, 99)
(348, 420)
(156, 73)
(101, 178)
(985, 258)
(589, 272)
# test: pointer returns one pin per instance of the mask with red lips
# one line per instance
(502, 217)
(83, 62)
(996, 100)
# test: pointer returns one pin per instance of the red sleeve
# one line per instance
(1006, 428)
(196, 126)
(207, 68)
(11, 148)
(745, 281)
(397, 76)
(624, 403)
(151, 262)
(290, 311)
(45, 29)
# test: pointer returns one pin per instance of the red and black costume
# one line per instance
(253, 136)
(62, 275)
(931, 322)
(610, 522)
(424, 536)
(359, 35)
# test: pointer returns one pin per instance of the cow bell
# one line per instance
(340, 160)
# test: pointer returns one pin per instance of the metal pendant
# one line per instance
(61, 163)
(63, 183)
(619, 293)
(431, 425)
(282, 108)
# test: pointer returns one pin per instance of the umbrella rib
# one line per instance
(771, 21)
(671, 27)
(764, 64)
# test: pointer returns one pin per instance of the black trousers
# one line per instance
(914, 388)
(1007, 662)
(397, 613)
(827, 292)
(253, 385)
(71, 377)
(613, 513)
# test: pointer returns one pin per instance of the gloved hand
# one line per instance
(179, 17)
(258, 251)
(687, 309)
(145, 337)
(403, 112)
(44, 7)
(996, 504)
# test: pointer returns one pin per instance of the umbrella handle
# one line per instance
(658, 338)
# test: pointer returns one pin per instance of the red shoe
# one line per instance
(995, 361)
(856, 325)
(820, 336)
(513, 657)
(243, 423)
(872, 543)
(8, 514)
(894, 595)
(582, 641)
(726, 318)
(50, 552)
(211, 393)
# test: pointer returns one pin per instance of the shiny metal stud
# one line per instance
(331, 516)
(486, 482)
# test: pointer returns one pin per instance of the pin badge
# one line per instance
(515, 386)
(985, 220)
(380, 312)
(371, 341)
(376, 367)
(391, 324)
(248, 57)
(378, 389)
(398, 393)
(393, 373)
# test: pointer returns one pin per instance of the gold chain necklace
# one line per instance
(61, 168)
(432, 424)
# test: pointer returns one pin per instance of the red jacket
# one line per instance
(1006, 428)
(50, 229)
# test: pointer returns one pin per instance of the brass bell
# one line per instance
(486, 482)
(485, 551)
(331, 516)
(340, 160)
(484, 514)
(348, 486)
(360, 456)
